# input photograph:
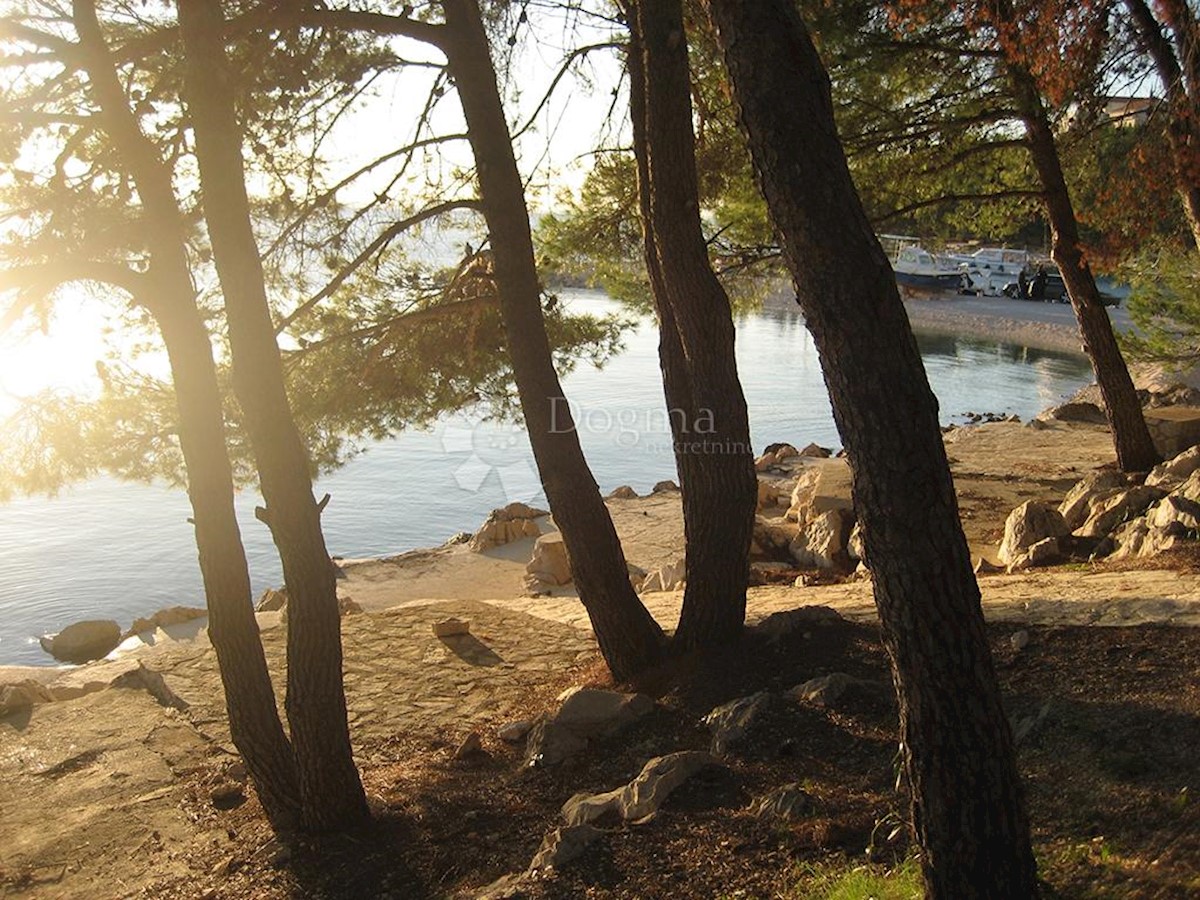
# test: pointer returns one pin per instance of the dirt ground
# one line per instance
(112, 794)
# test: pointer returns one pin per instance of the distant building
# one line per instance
(1130, 112)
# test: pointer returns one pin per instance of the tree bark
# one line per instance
(1183, 111)
(704, 395)
(968, 812)
(629, 638)
(1131, 438)
(249, 697)
(331, 791)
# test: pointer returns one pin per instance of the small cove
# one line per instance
(107, 549)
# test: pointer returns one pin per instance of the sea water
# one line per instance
(108, 549)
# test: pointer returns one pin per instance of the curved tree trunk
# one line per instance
(629, 638)
(968, 812)
(332, 793)
(707, 407)
(1131, 438)
(249, 697)
(1183, 110)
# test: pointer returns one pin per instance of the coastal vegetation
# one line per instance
(182, 161)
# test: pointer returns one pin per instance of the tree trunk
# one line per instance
(1131, 437)
(1183, 129)
(332, 793)
(629, 638)
(249, 697)
(968, 812)
(710, 423)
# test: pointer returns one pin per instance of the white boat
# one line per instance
(989, 269)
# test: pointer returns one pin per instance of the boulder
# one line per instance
(507, 524)
(514, 732)
(22, 696)
(855, 547)
(585, 713)
(1172, 473)
(1089, 413)
(165, 618)
(782, 624)
(768, 495)
(642, 796)
(562, 845)
(1107, 513)
(730, 721)
(471, 745)
(1173, 428)
(823, 485)
(1175, 514)
(664, 486)
(823, 541)
(272, 600)
(783, 451)
(1044, 553)
(789, 803)
(550, 563)
(765, 461)
(815, 451)
(624, 492)
(1101, 483)
(1190, 489)
(83, 641)
(1129, 539)
(1026, 525)
(665, 578)
(771, 538)
(829, 690)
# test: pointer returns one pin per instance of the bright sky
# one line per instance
(573, 121)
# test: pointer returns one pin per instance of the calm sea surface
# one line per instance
(109, 549)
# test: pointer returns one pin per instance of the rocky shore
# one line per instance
(468, 639)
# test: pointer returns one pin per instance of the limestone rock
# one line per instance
(506, 524)
(855, 546)
(815, 451)
(1026, 525)
(1044, 553)
(550, 563)
(789, 803)
(562, 845)
(22, 696)
(779, 625)
(153, 683)
(514, 732)
(1077, 412)
(1129, 539)
(642, 796)
(506, 887)
(585, 713)
(1107, 513)
(272, 600)
(1173, 428)
(823, 485)
(765, 462)
(829, 690)
(1176, 514)
(1172, 473)
(624, 492)
(822, 543)
(165, 618)
(768, 495)
(83, 641)
(984, 567)
(471, 745)
(770, 538)
(451, 627)
(784, 451)
(1101, 483)
(664, 486)
(730, 721)
(665, 578)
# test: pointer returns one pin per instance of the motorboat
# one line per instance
(989, 270)
(917, 270)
